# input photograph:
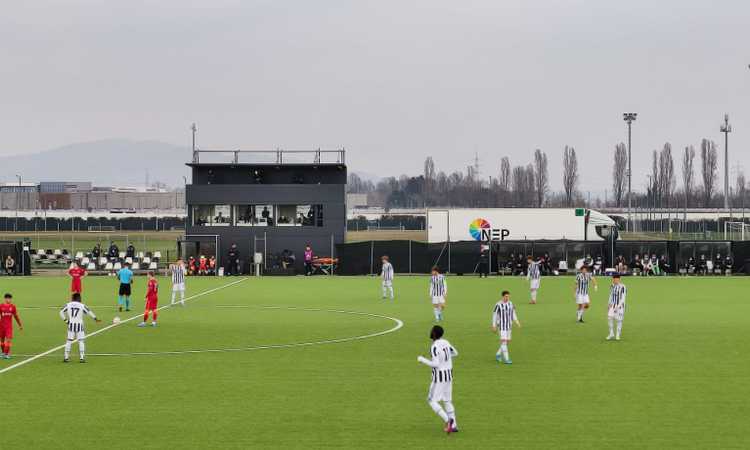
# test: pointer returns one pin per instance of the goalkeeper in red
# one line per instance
(152, 301)
(8, 312)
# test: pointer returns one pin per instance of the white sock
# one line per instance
(82, 349)
(174, 294)
(437, 313)
(579, 314)
(68, 344)
(182, 296)
(391, 289)
(504, 349)
(611, 327)
(533, 295)
(439, 410)
(384, 291)
(451, 411)
(619, 327)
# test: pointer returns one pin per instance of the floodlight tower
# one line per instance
(629, 119)
(726, 128)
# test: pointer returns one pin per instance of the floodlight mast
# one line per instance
(629, 119)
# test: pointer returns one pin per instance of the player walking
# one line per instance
(387, 275)
(438, 293)
(583, 279)
(125, 276)
(534, 275)
(178, 272)
(503, 317)
(73, 313)
(441, 387)
(152, 301)
(76, 273)
(8, 312)
(616, 309)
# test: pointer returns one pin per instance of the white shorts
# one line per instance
(535, 283)
(73, 335)
(440, 392)
(582, 299)
(504, 335)
(616, 313)
(178, 287)
(387, 284)
(438, 300)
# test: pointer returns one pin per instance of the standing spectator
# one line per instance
(484, 262)
(308, 260)
(130, 251)
(234, 261)
(203, 265)
(10, 265)
(113, 251)
(191, 265)
(212, 265)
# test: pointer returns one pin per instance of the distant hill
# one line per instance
(106, 163)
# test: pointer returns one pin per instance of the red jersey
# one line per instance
(153, 289)
(7, 313)
(203, 264)
(76, 273)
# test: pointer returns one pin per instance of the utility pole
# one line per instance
(194, 129)
(629, 118)
(726, 128)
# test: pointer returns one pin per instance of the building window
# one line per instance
(244, 215)
(264, 215)
(212, 215)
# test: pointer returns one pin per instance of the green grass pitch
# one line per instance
(680, 378)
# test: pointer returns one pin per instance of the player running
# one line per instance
(125, 276)
(503, 317)
(438, 293)
(152, 301)
(178, 272)
(583, 279)
(616, 309)
(441, 387)
(73, 313)
(76, 273)
(534, 275)
(8, 312)
(387, 275)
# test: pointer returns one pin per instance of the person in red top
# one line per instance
(76, 273)
(202, 268)
(152, 301)
(8, 312)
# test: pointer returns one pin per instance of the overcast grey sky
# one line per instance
(392, 81)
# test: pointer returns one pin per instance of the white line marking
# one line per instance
(109, 327)
(399, 325)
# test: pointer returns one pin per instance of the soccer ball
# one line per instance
(116, 320)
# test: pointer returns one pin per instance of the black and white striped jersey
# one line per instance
(73, 313)
(534, 270)
(583, 282)
(442, 353)
(617, 295)
(438, 286)
(387, 272)
(178, 274)
(503, 315)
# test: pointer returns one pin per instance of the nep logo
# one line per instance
(481, 230)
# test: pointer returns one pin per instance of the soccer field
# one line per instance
(322, 362)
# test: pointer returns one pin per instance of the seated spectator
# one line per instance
(728, 265)
(212, 265)
(620, 265)
(636, 265)
(191, 266)
(598, 264)
(10, 265)
(664, 265)
(203, 265)
(113, 251)
(703, 265)
(691, 266)
(130, 251)
(96, 251)
(719, 263)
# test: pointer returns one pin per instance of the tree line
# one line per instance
(527, 185)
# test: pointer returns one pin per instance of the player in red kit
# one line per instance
(152, 301)
(8, 312)
(76, 273)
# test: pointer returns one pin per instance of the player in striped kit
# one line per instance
(441, 387)
(583, 279)
(616, 307)
(438, 293)
(534, 275)
(387, 276)
(178, 271)
(72, 313)
(503, 317)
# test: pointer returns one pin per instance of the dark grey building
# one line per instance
(273, 203)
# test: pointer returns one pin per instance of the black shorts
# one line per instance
(124, 289)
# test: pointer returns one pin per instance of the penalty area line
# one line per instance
(109, 327)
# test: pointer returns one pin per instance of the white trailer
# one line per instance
(501, 224)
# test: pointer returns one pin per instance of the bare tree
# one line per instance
(709, 165)
(518, 185)
(505, 174)
(741, 188)
(541, 177)
(619, 173)
(429, 178)
(570, 174)
(687, 173)
(653, 180)
(530, 191)
(666, 174)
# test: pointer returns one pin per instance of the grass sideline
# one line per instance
(677, 380)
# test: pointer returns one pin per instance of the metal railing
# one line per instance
(278, 156)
